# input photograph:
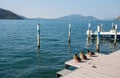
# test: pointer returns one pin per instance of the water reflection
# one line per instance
(105, 45)
(88, 42)
(69, 48)
(110, 43)
(38, 56)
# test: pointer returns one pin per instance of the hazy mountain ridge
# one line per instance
(6, 14)
(78, 17)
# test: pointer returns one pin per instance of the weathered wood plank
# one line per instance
(102, 66)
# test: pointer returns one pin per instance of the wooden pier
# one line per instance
(99, 66)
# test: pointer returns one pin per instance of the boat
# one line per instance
(104, 34)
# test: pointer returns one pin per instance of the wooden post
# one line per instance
(101, 27)
(69, 33)
(112, 26)
(98, 39)
(38, 35)
(115, 36)
(89, 35)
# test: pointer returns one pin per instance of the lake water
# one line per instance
(20, 57)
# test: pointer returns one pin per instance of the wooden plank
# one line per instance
(83, 63)
(105, 66)
(63, 72)
(104, 71)
(90, 72)
(75, 64)
(82, 73)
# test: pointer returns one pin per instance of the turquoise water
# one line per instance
(20, 58)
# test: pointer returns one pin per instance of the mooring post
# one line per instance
(69, 33)
(38, 35)
(98, 39)
(89, 35)
(115, 36)
(112, 26)
(101, 27)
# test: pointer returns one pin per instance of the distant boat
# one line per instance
(103, 34)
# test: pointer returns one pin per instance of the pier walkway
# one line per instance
(99, 66)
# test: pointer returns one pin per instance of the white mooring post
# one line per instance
(89, 35)
(98, 39)
(38, 35)
(115, 36)
(69, 33)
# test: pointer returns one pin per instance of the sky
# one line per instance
(58, 8)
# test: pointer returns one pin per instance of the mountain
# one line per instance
(37, 18)
(78, 17)
(23, 17)
(109, 19)
(6, 14)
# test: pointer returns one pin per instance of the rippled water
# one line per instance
(20, 58)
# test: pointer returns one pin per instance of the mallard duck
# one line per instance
(83, 56)
(90, 53)
(76, 58)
